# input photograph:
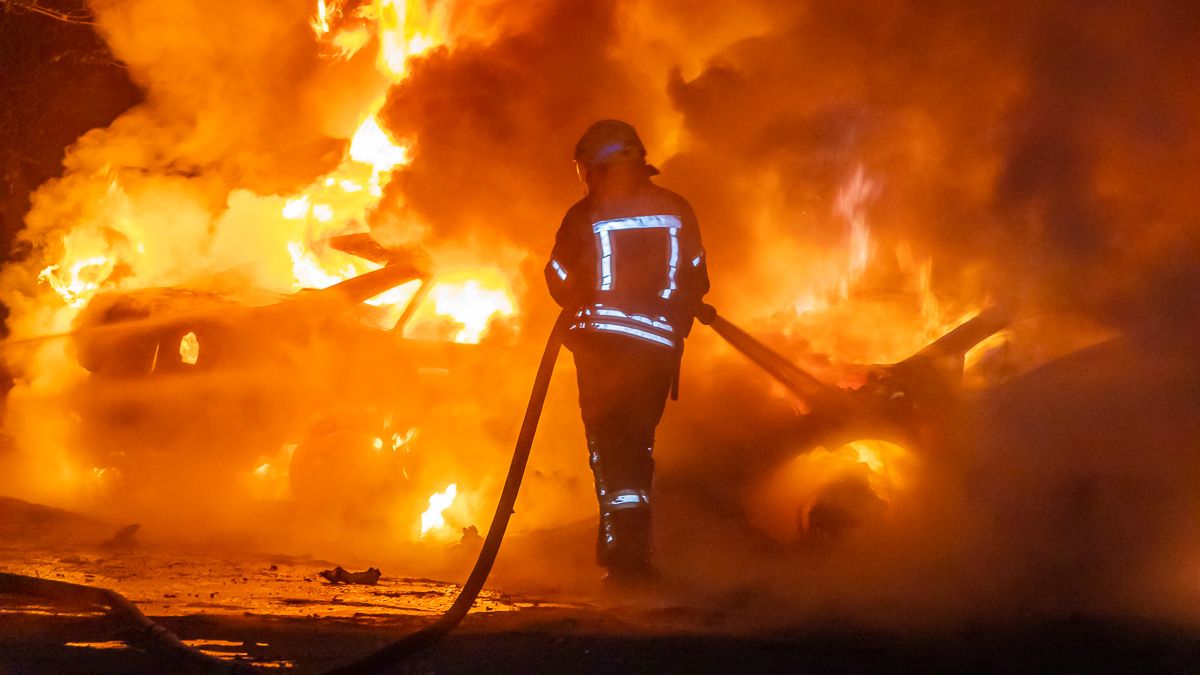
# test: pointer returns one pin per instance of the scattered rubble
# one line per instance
(339, 575)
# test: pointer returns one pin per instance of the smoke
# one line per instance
(494, 131)
(1037, 156)
(234, 93)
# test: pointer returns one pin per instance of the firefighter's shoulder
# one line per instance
(673, 201)
(578, 213)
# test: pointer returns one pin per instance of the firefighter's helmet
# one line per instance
(608, 140)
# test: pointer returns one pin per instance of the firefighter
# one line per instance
(629, 266)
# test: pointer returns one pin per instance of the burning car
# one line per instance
(305, 393)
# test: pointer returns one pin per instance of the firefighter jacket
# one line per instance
(633, 267)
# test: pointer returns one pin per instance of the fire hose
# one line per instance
(390, 655)
(159, 638)
(414, 642)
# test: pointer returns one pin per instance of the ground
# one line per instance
(276, 612)
(1072, 536)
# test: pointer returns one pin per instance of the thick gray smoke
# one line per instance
(1041, 154)
(1039, 150)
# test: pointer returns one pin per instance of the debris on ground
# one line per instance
(124, 539)
(339, 575)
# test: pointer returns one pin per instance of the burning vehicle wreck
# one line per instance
(167, 366)
(852, 437)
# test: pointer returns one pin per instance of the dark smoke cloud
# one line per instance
(1044, 154)
(1039, 147)
(1096, 150)
(495, 123)
(234, 89)
(1018, 138)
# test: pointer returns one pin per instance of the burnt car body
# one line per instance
(200, 384)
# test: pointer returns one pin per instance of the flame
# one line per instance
(408, 28)
(886, 462)
(371, 145)
(270, 478)
(839, 311)
(850, 204)
(189, 349)
(320, 22)
(81, 280)
(473, 302)
(438, 503)
(402, 29)
(883, 469)
(338, 203)
(110, 253)
(404, 441)
(86, 266)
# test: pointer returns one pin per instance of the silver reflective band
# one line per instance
(604, 229)
(697, 259)
(637, 223)
(627, 499)
(618, 314)
(606, 279)
(673, 264)
(636, 332)
(562, 274)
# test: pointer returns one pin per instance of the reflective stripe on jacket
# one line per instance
(633, 269)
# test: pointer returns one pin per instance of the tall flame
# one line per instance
(402, 29)
(438, 503)
(406, 28)
(839, 314)
(110, 254)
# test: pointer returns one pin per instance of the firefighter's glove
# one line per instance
(706, 314)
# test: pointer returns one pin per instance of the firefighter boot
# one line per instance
(622, 490)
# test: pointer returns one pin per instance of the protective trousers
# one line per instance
(623, 388)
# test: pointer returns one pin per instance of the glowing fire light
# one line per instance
(884, 469)
(472, 306)
(403, 28)
(337, 203)
(438, 503)
(840, 309)
(407, 28)
(320, 22)
(80, 281)
(881, 458)
(189, 349)
(371, 145)
(851, 206)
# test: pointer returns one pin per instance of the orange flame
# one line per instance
(783, 504)
(110, 253)
(189, 349)
(432, 518)
(408, 28)
(838, 312)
